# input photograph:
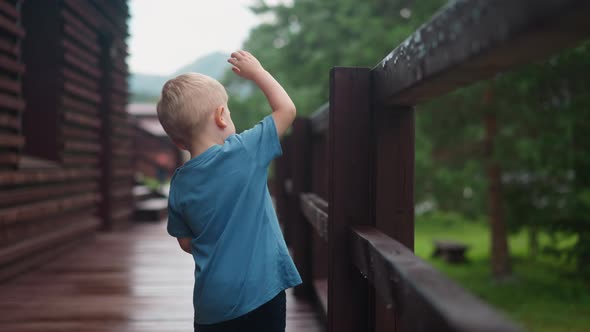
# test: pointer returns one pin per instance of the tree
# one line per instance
(301, 42)
(541, 111)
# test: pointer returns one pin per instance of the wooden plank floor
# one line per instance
(137, 280)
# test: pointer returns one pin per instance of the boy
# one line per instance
(219, 205)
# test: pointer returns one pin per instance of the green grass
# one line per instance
(151, 183)
(544, 294)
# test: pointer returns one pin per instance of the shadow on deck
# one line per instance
(136, 280)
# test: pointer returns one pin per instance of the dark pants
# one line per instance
(269, 317)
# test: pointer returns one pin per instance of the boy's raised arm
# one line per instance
(283, 110)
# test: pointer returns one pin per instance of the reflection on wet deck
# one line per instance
(137, 280)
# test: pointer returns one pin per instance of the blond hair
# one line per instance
(185, 103)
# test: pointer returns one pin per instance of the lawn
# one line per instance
(544, 295)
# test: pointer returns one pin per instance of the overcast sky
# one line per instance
(167, 34)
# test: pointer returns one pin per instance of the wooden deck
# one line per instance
(137, 280)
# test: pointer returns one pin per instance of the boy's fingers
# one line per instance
(233, 61)
(237, 55)
(235, 69)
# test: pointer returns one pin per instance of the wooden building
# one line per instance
(65, 140)
(155, 155)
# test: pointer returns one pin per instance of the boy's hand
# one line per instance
(245, 65)
(283, 110)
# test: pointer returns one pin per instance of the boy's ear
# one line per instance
(219, 117)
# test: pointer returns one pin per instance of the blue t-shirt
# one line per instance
(220, 199)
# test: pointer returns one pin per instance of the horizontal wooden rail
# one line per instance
(426, 299)
(315, 210)
(470, 40)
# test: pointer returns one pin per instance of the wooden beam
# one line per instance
(41, 84)
(81, 120)
(24, 178)
(471, 40)
(16, 196)
(394, 168)
(300, 229)
(350, 177)
(12, 27)
(315, 211)
(394, 134)
(28, 211)
(425, 299)
(9, 10)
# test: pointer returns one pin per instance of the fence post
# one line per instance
(281, 174)
(106, 135)
(350, 180)
(394, 133)
(301, 179)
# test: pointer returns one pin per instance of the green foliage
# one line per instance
(542, 110)
(152, 183)
(299, 44)
(536, 297)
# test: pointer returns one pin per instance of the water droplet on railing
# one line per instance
(417, 37)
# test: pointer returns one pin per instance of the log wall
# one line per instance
(153, 152)
(64, 134)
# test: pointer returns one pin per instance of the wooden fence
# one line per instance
(345, 184)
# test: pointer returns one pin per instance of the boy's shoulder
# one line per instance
(254, 147)
(262, 141)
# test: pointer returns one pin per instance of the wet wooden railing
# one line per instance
(345, 185)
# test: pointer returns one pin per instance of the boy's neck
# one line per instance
(202, 145)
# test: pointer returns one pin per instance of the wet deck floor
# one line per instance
(137, 280)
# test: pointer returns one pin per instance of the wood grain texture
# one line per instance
(423, 297)
(132, 281)
(315, 211)
(349, 195)
(301, 177)
(21, 178)
(470, 40)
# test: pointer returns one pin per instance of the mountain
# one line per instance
(146, 87)
(213, 64)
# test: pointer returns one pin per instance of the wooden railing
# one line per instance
(358, 155)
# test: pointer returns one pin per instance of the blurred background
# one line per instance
(509, 154)
(512, 151)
